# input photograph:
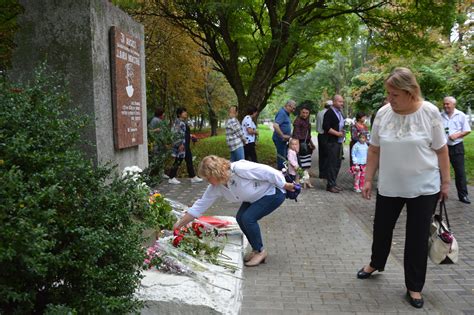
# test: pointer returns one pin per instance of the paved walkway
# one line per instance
(316, 246)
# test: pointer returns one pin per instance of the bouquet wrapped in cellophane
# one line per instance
(196, 249)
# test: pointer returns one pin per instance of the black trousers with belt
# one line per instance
(322, 154)
(456, 156)
(333, 162)
(419, 212)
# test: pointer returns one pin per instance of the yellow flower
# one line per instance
(2, 162)
(156, 195)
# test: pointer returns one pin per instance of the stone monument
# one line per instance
(99, 50)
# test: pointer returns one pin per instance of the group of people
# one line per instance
(181, 146)
(411, 146)
(241, 138)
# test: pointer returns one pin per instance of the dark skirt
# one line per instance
(304, 156)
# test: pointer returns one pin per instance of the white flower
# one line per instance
(132, 171)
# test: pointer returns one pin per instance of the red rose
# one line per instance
(177, 240)
(197, 228)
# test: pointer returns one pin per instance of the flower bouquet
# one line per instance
(203, 243)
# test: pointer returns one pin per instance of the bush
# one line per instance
(159, 153)
(68, 243)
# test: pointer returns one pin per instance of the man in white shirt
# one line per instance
(456, 127)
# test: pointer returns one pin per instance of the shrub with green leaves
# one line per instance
(68, 243)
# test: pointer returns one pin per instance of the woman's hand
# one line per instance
(443, 194)
(367, 190)
(289, 187)
(183, 221)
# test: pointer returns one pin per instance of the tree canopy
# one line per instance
(258, 45)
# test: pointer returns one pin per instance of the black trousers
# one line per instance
(456, 156)
(419, 213)
(333, 162)
(322, 154)
(250, 152)
(189, 164)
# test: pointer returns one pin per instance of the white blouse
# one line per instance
(248, 182)
(247, 122)
(408, 165)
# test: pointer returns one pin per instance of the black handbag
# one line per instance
(304, 147)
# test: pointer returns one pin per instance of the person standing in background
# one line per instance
(182, 148)
(359, 158)
(234, 136)
(333, 125)
(250, 132)
(322, 140)
(302, 132)
(282, 131)
(155, 122)
(456, 127)
(359, 127)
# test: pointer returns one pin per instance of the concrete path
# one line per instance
(316, 246)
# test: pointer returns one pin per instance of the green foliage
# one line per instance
(68, 242)
(159, 152)
(368, 91)
(9, 11)
(432, 83)
(469, 157)
(157, 214)
(259, 45)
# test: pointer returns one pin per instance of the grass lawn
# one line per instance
(469, 158)
(266, 152)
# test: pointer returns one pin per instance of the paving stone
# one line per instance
(317, 245)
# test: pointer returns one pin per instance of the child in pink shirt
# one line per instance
(293, 165)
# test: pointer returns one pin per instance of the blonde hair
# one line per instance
(214, 166)
(294, 140)
(403, 79)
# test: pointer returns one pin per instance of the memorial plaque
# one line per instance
(126, 89)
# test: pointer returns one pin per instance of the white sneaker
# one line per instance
(196, 179)
(357, 190)
(165, 176)
(173, 181)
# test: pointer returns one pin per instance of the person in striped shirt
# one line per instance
(234, 136)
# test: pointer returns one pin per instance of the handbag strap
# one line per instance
(442, 206)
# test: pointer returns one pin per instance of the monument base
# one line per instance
(219, 293)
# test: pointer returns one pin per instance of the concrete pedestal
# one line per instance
(179, 295)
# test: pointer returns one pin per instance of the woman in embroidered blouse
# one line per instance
(408, 147)
(259, 187)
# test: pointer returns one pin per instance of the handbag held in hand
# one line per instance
(442, 245)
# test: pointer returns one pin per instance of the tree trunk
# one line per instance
(213, 121)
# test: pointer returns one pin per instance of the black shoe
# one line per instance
(361, 274)
(465, 200)
(339, 188)
(333, 190)
(418, 303)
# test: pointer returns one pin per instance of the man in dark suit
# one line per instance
(333, 125)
